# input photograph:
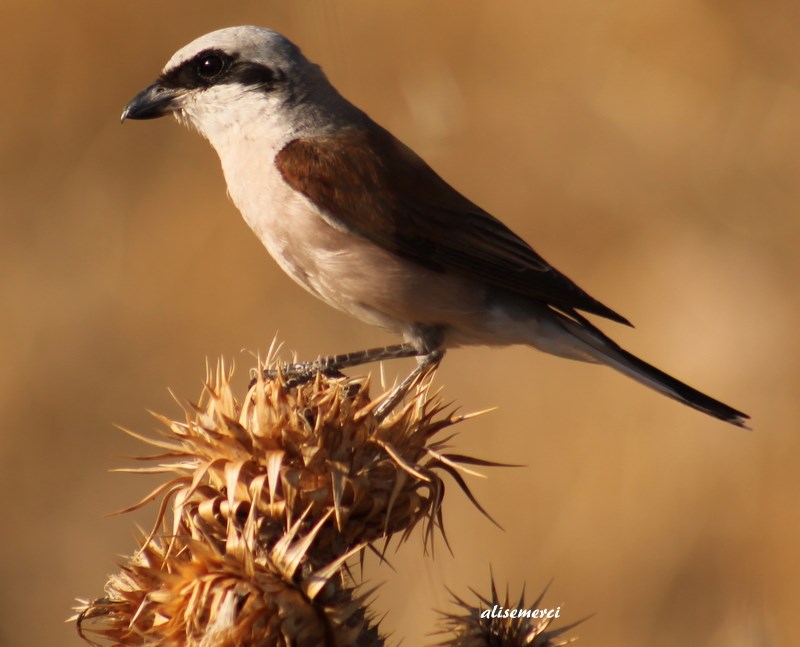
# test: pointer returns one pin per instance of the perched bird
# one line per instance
(363, 223)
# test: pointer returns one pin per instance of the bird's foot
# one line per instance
(299, 373)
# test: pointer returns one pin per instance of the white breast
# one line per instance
(247, 147)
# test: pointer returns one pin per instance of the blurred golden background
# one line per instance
(651, 151)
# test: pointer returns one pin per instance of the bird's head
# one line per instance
(225, 80)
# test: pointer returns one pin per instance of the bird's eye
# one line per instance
(210, 66)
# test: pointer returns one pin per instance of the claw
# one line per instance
(298, 374)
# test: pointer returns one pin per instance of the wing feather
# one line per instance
(368, 183)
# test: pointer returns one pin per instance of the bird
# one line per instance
(363, 223)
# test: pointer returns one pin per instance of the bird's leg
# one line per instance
(424, 363)
(331, 365)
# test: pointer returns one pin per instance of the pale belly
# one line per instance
(366, 281)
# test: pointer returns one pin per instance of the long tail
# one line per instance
(606, 351)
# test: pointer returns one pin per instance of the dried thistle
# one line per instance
(489, 623)
(268, 500)
(316, 446)
(188, 592)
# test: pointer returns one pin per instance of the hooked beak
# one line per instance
(154, 101)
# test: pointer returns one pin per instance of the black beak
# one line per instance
(154, 101)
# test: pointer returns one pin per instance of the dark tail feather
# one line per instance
(608, 352)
